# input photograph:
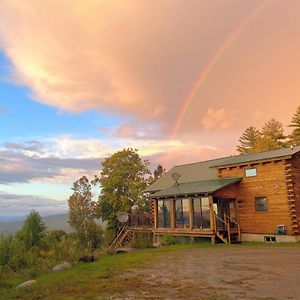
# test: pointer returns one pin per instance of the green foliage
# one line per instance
(143, 240)
(157, 173)
(82, 212)
(249, 140)
(124, 177)
(32, 231)
(294, 138)
(167, 240)
(272, 135)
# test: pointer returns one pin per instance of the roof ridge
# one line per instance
(203, 161)
(213, 179)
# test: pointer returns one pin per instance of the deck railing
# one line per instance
(139, 220)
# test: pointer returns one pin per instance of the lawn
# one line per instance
(180, 271)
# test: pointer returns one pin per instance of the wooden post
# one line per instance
(213, 239)
(155, 214)
(172, 213)
(191, 213)
(212, 214)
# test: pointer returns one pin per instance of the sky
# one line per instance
(178, 80)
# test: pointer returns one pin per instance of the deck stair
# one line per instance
(122, 239)
(229, 231)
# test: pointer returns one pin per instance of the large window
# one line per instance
(201, 213)
(182, 213)
(163, 213)
(261, 204)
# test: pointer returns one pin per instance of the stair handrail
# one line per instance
(231, 220)
(235, 222)
(117, 237)
(217, 217)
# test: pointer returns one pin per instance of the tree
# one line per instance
(249, 140)
(124, 177)
(294, 138)
(157, 173)
(272, 135)
(82, 213)
(33, 230)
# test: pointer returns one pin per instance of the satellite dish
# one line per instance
(135, 208)
(176, 176)
(122, 216)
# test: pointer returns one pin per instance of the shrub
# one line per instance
(167, 239)
(143, 240)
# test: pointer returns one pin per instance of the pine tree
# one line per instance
(249, 140)
(294, 138)
(272, 135)
(32, 231)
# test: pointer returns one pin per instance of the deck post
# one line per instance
(191, 213)
(172, 213)
(212, 213)
(213, 239)
(155, 214)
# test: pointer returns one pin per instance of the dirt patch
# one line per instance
(215, 273)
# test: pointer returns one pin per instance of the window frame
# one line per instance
(266, 204)
(250, 169)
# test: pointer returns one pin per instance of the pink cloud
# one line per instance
(219, 119)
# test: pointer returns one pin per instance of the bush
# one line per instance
(143, 240)
(166, 240)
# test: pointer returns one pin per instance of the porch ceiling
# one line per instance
(198, 187)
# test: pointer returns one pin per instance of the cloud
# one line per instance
(20, 205)
(63, 159)
(30, 160)
(112, 55)
(219, 119)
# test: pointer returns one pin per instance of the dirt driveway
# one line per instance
(237, 272)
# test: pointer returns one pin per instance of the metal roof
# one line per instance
(188, 173)
(198, 187)
(254, 157)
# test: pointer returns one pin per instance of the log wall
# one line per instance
(270, 182)
(294, 191)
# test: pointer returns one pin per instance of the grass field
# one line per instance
(112, 276)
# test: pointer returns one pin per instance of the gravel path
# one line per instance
(216, 273)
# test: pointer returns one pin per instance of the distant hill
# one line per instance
(52, 222)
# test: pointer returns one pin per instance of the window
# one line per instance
(250, 172)
(261, 204)
(201, 212)
(163, 213)
(182, 213)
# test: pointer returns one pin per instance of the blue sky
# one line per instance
(78, 83)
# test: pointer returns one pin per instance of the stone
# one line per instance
(26, 283)
(65, 265)
(125, 250)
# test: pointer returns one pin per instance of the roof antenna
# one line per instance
(176, 176)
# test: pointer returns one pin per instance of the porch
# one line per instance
(198, 216)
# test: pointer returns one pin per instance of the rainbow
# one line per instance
(211, 64)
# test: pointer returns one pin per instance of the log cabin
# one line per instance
(246, 197)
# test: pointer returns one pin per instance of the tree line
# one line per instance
(271, 136)
(122, 181)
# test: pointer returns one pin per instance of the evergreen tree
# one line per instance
(249, 140)
(32, 231)
(294, 138)
(272, 135)
(158, 172)
(124, 177)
